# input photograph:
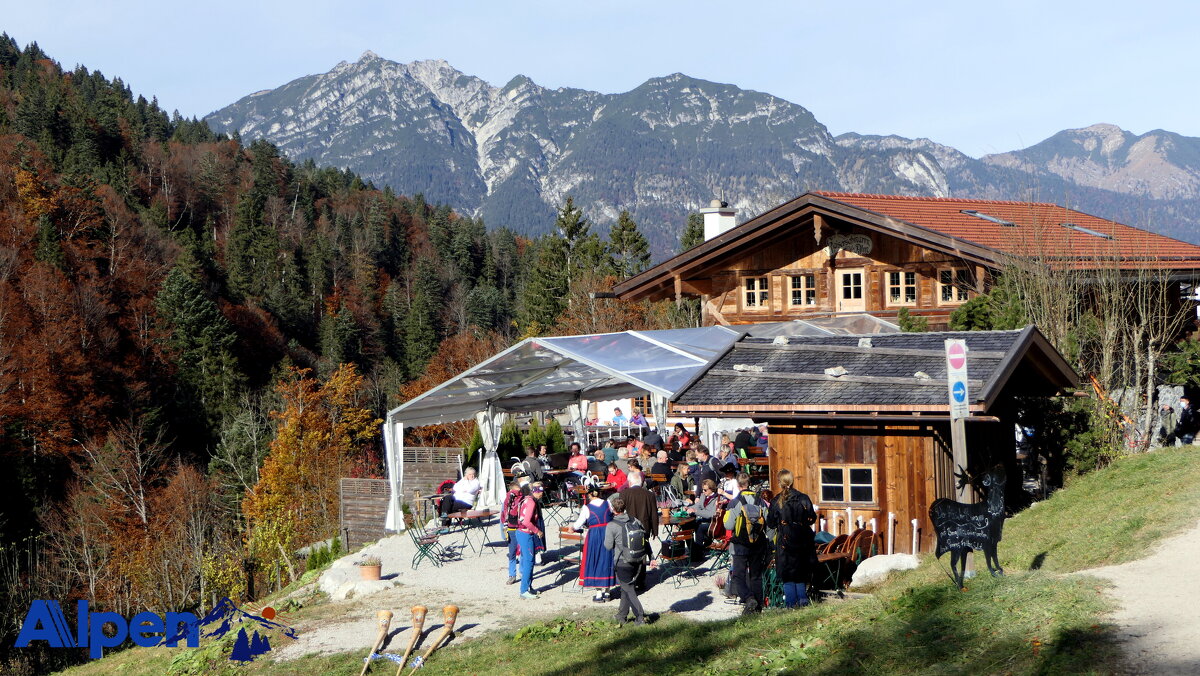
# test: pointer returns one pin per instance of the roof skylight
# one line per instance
(989, 218)
(1084, 230)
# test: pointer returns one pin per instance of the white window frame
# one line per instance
(807, 289)
(900, 279)
(756, 293)
(959, 288)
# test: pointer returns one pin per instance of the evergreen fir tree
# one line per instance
(630, 250)
(544, 291)
(202, 340)
(48, 248)
(422, 325)
(693, 232)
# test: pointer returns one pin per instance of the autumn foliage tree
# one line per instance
(322, 431)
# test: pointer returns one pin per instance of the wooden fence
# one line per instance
(364, 502)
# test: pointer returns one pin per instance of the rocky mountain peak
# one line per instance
(511, 154)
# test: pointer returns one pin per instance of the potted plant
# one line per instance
(369, 568)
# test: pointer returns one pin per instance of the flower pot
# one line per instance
(370, 572)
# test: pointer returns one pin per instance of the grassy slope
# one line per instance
(1031, 621)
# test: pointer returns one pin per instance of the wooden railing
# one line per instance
(448, 455)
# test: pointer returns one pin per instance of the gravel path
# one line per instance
(1159, 618)
(476, 584)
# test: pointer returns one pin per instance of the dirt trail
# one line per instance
(1159, 619)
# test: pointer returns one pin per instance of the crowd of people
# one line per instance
(619, 519)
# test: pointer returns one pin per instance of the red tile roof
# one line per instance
(1037, 229)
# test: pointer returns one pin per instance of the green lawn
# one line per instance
(1034, 620)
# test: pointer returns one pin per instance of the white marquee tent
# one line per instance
(540, 374)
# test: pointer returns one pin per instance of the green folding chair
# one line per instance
(427, 548)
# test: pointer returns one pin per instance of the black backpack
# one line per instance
(635, 541)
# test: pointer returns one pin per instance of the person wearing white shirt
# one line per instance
(463, 498)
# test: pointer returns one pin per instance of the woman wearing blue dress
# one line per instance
(597, 567)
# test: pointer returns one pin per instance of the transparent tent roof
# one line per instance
(838, 325)
(550, 373)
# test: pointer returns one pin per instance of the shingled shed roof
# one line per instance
(901, 373)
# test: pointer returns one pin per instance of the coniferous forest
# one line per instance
(198, 338)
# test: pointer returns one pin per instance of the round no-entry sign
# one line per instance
(957, 355)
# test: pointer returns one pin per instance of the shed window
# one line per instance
(804, 290)
(902, 288)
(757, 292)
(954, 285)
(847, 483)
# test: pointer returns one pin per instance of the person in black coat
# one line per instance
(1189, 423)
(791, 515)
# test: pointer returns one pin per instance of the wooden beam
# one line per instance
(678, 291)
(907, 352)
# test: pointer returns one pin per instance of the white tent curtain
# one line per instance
(393, 448)
(491, 472)
(658, 406)
(578, 424)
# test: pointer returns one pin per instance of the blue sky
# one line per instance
(982, 77)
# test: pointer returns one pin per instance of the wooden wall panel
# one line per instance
(799, 252)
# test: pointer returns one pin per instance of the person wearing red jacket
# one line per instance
(616, 479)
(528, 529)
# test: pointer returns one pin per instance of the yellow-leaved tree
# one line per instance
(322, 429)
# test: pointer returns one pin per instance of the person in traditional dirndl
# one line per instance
(596, 569)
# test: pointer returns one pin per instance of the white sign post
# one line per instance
(960, 408)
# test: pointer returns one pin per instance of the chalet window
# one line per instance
(852, 285)
(847, 483)
(954, 285)
(902, 288)
(804, 290)
(757, 292)
(642, 404)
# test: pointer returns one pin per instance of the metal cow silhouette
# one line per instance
(961, 527)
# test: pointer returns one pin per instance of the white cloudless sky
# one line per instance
(982, 77)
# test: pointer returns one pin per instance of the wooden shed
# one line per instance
(863, 422)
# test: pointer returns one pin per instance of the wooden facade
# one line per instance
(802, 280)
(873, 437)
(826, 254)
(910, 467)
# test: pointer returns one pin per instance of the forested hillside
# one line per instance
(198, 338)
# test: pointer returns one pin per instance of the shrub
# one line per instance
(555, 441)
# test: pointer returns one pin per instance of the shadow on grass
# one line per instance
(934, 628)
(1038, 561)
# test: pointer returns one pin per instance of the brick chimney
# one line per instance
(718, 218)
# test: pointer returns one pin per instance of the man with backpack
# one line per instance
(626, 538)
(745, 518)
(642, 505)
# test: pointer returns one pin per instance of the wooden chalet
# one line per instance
(876, 438)
(825, 253)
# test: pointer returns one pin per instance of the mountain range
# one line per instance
(512, 154)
